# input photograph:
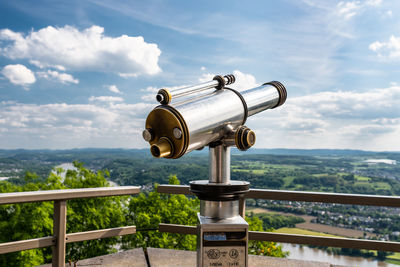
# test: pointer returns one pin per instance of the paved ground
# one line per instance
(179, 258)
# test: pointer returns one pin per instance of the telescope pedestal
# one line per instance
(222, 242)
(222, 234)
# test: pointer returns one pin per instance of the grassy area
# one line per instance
(288, 180)
(297, 231)
(259, 165)
(258, 210)
(259, 171)
(382, 185)
(319, 174)
(395, 256)
(362, 178)
(362, 183)
(397, 262)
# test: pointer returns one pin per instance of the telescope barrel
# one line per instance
(269, 95)
(176, 130)
(165, 96)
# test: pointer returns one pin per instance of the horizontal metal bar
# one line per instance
(26, 244)
(326, 241)
(298, 239)
(104, 233)
(70, 238)
(64, 194)
(355, 199)
(177, 228)
(173, 189)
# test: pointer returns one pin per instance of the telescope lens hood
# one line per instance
(281, 90)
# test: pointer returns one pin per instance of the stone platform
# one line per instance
(180, 258)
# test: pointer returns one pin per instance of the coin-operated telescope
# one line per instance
(211, 114)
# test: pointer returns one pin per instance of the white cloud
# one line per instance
(150, 94)
(113, 88)
(368, 120)
(389, 49)
(19, 74)
(41, 66)
(110, 99)
(203, 68)
(348, 9)
(62, 125)
(55, 75)
(206, 77)
(243, 81)
(89, 49)
(374, 2)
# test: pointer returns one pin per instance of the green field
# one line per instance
(382, 185)
(394, 259)
(362, 178)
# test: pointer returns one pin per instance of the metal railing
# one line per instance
(354, 199)
(60, 238)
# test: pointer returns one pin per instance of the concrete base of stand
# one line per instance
(179, 258)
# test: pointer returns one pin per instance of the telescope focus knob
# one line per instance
(148, 135)
(244, 138)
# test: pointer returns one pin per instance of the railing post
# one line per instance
(59, 232)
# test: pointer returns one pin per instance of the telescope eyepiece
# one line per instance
(163, 148)
(163, 96)
(160, 98)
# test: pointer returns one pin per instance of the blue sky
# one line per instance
(84, 73)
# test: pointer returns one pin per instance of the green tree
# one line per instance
(92, 213)
(25, 221)
(263, 247)
(33, 220)
(147, 210)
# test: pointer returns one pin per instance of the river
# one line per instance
(305, 253)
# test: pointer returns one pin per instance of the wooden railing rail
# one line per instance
(60, 237)
(355, 199)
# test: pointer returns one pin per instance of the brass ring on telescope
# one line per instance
(221, 82)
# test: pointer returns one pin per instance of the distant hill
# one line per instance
(314, 152)
(84, 152)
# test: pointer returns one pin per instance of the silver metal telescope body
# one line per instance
(215, 119)
(174, 130)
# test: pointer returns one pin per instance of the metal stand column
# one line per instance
(222, 234)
